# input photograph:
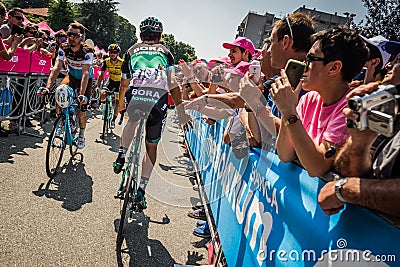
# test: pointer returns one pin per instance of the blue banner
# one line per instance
(267, 214)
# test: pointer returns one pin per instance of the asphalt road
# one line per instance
(72, 220)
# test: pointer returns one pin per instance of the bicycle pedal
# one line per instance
(120, 195)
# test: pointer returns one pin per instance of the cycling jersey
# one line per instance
(115, 70)
(147, 66)
(75, 60)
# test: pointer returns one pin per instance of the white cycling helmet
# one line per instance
(62, 95)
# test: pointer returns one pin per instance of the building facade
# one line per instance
(257, 27)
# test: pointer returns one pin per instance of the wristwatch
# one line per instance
(291, 120)
(338, 189)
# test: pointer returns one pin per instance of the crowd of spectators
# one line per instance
(311, 122)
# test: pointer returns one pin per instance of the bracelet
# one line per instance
(261, 111)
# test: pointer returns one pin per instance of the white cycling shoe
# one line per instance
(81, 142)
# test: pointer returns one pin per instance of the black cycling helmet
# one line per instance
(151, 24)
(114, 47)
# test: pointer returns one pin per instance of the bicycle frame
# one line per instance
(70, 139)
(132, 178)
(133, 155)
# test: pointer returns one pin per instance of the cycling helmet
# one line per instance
(63, 94)
(151, 24)
(114, 47)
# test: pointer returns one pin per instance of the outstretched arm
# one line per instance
(376, 194)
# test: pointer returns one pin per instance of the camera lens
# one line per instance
(354, 103)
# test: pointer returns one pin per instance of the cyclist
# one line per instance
(114, 65)
(144, 71)
(79, 59)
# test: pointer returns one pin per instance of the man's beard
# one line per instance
(73, 44)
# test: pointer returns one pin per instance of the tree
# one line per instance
(61, 14)
(383, 18)
(180, 50)
(28, 3)
(100, 18)
(125, 35)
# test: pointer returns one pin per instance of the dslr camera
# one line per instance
(378, 111)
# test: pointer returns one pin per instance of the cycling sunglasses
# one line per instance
(18, 17)
(74, 34)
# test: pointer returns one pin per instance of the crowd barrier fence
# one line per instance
(24, 73)
(266, 212)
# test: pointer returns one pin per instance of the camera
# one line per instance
(378, 111)
(17, 30)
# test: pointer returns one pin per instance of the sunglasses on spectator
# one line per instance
(74, 34)
(286, 19)
(112, 52)
(18, 17)
(310, 57)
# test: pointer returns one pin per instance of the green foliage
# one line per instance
(27, 3)
(383, 17)
(180, 50)
(100, 18)
(61, 14)
(34, 19)
(125, 35)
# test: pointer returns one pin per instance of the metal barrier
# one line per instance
(24, 74)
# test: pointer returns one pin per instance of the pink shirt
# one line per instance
(323, 122)
(2, 47)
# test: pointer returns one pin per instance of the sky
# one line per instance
(207, 24)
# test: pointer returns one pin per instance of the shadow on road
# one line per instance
(72, 185)
(141, 250)
(16, 144)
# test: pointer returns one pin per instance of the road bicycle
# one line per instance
(64, 131)
(127, 190)
(108, 112)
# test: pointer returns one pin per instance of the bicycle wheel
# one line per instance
(127, 198)
(106, 119)
(73, 149)
(55, 147)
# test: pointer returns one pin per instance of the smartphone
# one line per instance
(294, 70)
(255, 70)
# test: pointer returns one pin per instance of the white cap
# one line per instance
(379, 41)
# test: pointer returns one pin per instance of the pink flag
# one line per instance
(44, 26)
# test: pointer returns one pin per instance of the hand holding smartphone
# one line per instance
(294, 70)
(255, 70)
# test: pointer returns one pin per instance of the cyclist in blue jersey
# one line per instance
(79, 59)
(145, 81)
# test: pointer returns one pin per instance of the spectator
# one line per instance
(317, 122)
(98, 61)
(378, 58)
(7, 54)
(59, 38)
(290, 39)
(371, 183)
(15, 18)
(30, 33)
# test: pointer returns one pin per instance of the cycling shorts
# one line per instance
(76, 85)
(113, 86)
(156, 121)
